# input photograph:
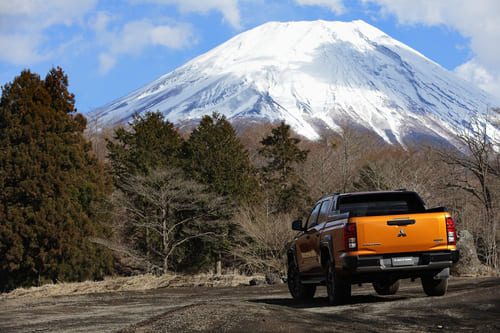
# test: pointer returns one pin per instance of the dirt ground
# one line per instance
(471, 305)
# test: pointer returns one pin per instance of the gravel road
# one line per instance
(471, 305)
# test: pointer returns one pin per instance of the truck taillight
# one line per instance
(450, 231)
(350, 237)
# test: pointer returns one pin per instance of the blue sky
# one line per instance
(110, 48)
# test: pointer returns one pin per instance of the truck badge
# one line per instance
(401, 233)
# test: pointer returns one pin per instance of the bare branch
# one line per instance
(160, 206)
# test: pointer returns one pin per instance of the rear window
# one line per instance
(372, 204)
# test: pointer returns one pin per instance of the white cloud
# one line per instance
(478, 20)
(228, 8)
(473, 71)
(135, 37)
(171, 37)
(19, 49)
(101, 21)
(106, 62)
(25, 40)
(335, 6)
(40, 14)
(23, 23)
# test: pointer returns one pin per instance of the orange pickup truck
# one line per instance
(371, 237)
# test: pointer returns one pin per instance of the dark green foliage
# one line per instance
(50, 186)
(215, 156)
(282, 151)
(152, 142)
(285, 189)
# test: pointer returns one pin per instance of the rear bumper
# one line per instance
(399, 262)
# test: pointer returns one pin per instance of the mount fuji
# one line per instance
(313, 75)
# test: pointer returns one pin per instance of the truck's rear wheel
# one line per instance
(386, 288)
(298, 290)
(434, 287)
(337, 286)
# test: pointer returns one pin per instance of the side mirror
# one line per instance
(297, 225)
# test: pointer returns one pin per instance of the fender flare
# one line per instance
(292, 255)
(326, 251)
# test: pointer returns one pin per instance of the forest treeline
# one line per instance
(80, 202)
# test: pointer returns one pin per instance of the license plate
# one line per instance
(402, 261)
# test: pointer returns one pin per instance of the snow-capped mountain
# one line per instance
(313, 75)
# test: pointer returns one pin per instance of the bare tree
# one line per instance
(334, 161)
(264, 239)
(477, 172)
(395, 167)
(320, 171)
(163, 211)
(97, 134)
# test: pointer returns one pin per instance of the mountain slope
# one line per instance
(313, 75)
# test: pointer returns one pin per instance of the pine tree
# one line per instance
(152, 142)
(216, 157)
(286, 191)
(50, 186)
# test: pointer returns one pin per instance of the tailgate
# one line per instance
(401, 233)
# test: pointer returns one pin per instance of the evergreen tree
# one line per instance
(216, 157)
(286, 191)
(50, 186)
(152, 142)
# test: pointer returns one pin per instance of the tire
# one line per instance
(298, 290)
(434, 287)
(338, 287)
(386, 288)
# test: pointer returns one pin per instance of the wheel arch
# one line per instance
(326, 252)
(292, 255)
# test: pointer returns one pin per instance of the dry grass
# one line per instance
(137, 283)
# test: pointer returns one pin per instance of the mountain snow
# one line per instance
(313, 75)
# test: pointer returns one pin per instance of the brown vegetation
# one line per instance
(357, 160)
(264, 239)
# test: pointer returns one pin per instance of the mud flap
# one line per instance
(443, 274)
